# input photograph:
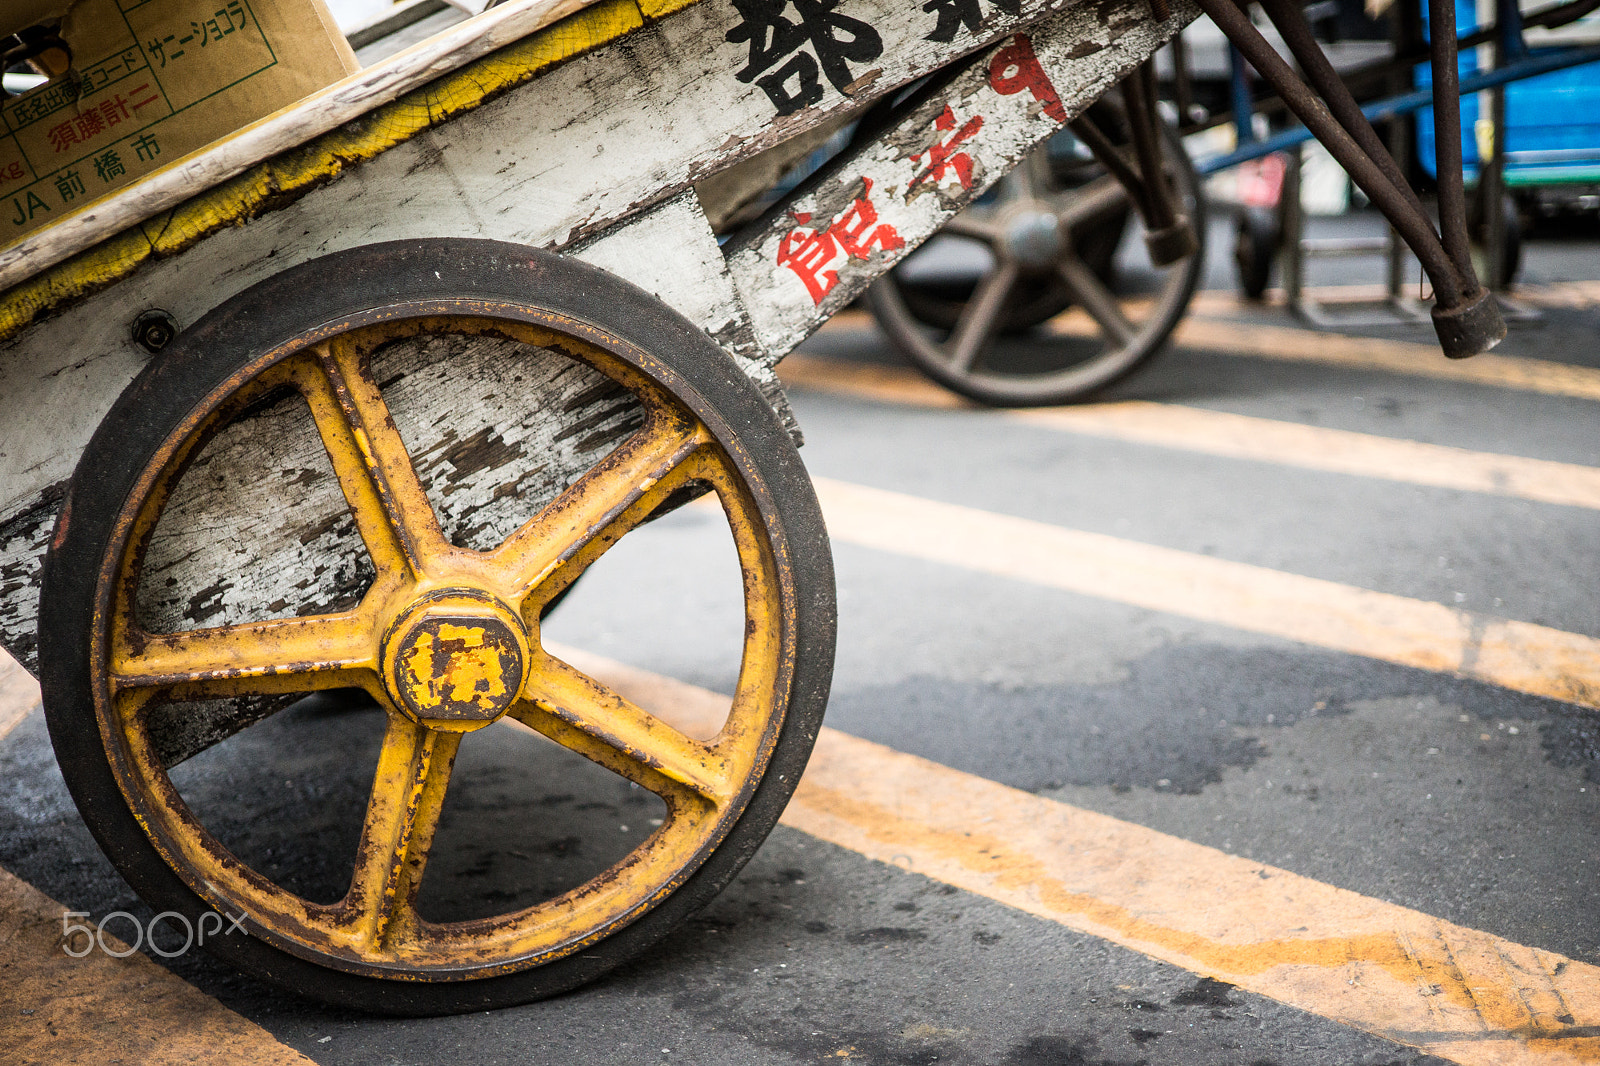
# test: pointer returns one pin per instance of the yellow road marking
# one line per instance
(1287, 344)
(891, 384)
(1454, 992)
(1430, 636)
(693, 711)
(1334, 450)
(1238, 437)
(99, 1009)
(1573, 295)
(1231, 301)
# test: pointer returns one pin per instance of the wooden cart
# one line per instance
(348, 400)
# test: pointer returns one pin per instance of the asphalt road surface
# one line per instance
(1254, 734)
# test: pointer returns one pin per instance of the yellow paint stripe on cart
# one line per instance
(1516, 655)
(99, 1009)
(292, 174)
(1238, 437)
(1454, 992)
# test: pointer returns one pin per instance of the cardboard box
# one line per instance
(152, 81)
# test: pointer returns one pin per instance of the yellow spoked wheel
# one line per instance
(444, 635)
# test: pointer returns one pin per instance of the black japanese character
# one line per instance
(69, 185)
(954, 14)
(838, 40)
(108, 165)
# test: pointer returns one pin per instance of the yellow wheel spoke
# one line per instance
(402, 814)
(282, 655)
(601, 507)
(580, 713)
(391, 507)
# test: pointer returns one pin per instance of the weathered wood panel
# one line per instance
(773, 73)
(259, 528)
(496, 428)
(887, 198)
(671, 253)
(555, 164)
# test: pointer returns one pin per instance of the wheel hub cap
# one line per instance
(1032, 239)
(456, 660)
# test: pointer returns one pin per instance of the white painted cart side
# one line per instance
(583, 131)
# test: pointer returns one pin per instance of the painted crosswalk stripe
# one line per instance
(1235, 436)
(1454, 992)
(1288, 344)
(1516, 655)
(1221, 336)
(99, 1009)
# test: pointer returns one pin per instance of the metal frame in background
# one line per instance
(1464, 315)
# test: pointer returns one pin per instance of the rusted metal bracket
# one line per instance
(1169, 234)
(1465, 316)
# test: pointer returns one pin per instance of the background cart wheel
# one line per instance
(1057, 234)
(429, 606)
(1255, 247)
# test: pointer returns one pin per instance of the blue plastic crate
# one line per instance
(1552, 121)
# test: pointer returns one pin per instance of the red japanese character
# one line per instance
(942, 155)
(806, 252)
(809, 252)
(114, 110)
(89, 124)
(137, 104)
(850, 229)
(1015, 68)
(63, 136)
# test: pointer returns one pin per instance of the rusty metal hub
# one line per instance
(456, 660)
(1030, 236)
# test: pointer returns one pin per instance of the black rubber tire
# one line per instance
(1511, 235)
(246, 330)
(1255, 246)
